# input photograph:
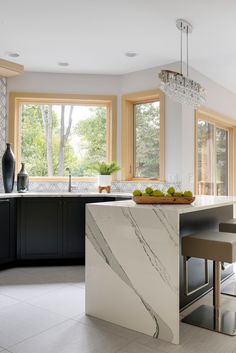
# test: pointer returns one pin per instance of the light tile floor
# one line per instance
(42, 311)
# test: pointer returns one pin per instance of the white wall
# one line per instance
(179, 124)
(65, 83)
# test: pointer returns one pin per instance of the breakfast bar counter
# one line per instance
(134, 263)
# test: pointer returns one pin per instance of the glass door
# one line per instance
(212, 159)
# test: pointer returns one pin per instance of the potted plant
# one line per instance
(105, 171)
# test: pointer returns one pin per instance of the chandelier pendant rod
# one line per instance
(187, 48)
(181, 49)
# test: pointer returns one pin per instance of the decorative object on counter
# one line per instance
(177, 86)
(8, 169)
(105, 175)
(151, 196)
(107, 188)
(22, 179)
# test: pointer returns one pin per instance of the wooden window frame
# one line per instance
(224, 122)
(128, 102)
(14, 122)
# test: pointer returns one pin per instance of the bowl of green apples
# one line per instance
(156, 196)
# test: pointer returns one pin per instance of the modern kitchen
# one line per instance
(117, 177)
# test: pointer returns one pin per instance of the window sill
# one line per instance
(144, 180)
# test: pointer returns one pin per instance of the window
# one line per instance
(213, 155)
(51, 134)
(143, 136)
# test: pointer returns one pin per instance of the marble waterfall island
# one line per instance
(132, 262)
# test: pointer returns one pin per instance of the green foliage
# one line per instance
(92, 141)
(106, 169)
(90, 133)
(147, 142)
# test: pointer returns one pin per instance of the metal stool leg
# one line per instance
(216, 295)
(212, 317)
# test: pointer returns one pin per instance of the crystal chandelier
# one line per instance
(177, 86)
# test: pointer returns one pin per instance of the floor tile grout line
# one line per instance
(46, 310)
(35, 335)
(61, 323)
(132, 341)
(25, 300)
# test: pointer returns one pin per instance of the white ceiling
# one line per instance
(93, 35)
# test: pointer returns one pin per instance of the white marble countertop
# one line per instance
(132, 256)
(63, 194)
(201, 202)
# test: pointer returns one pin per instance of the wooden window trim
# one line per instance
(14, 136)
(128, 102)
(224, 122)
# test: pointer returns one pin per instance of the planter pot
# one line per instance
(8, 169)
(22, 179)
(104, 180)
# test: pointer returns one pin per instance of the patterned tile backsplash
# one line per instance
(117, 186)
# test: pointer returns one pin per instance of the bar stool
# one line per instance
(219, 247)
(229, 226)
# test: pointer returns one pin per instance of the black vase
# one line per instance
(22, 179)
(8, 169)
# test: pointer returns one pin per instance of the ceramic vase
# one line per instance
(22, 179)
(8, 169)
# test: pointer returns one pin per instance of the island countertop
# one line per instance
(134, 260)
(64, 194)
(202, 202)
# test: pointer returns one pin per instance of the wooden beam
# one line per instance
(9, 69)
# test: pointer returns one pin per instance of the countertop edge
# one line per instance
(63, 194)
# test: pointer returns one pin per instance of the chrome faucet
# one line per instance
(69, 185)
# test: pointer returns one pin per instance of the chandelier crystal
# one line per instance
(179, 87)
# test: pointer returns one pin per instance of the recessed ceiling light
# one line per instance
(131, 54)
(62, 63)
(13, 54)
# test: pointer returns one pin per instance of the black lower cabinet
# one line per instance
(52, 228)
(40, 228)
(74, 209)
(73, 228)
(7, 231)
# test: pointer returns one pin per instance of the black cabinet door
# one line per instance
(40, 228)
(7, 231)
(73, 228)
(74, 225)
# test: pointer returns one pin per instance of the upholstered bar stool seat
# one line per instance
(230, 227)
(219, 247)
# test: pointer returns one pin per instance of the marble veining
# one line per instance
(99, 242)
(152, 257)
(135, 245)
(169, 227)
